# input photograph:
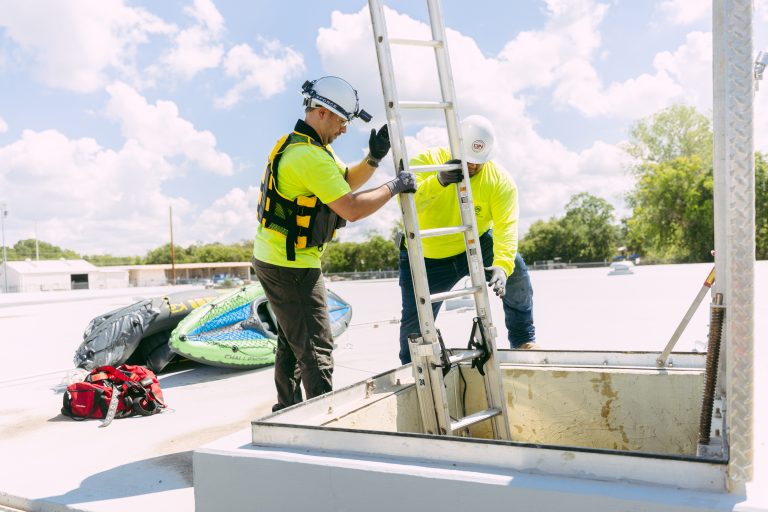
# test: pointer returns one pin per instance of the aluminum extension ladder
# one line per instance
(428, 354)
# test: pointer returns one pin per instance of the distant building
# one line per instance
(52, 275)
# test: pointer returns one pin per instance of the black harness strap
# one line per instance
(481, 344)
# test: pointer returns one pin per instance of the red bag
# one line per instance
(128, 389)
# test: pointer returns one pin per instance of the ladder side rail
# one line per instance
(407, 203)
(407, 206)
(493, 380)
(428, 385)
(464, 191)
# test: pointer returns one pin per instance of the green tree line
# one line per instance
(196, 253)
(32, 249)
(376, 253)
(586, 233)
(672, 201)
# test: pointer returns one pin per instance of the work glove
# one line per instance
(378, 144)
(404, 182)
(497, 280)
(445, 178)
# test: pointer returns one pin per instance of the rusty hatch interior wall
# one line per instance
(647, 410)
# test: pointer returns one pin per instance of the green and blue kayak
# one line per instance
(239, 330)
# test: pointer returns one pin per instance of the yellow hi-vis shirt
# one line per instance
(494, 194)
(305, 170)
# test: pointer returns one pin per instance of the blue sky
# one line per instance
(112, 111)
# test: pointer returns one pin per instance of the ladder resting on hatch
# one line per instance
(431, 361)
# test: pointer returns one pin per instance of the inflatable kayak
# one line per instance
(238, 330)
(137, 333)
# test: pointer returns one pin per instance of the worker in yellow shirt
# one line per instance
(494, 194)
(306, 194)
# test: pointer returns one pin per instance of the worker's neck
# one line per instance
(316, 125)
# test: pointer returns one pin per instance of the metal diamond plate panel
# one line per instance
(739, 235)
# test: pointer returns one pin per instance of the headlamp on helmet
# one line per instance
(335, 94)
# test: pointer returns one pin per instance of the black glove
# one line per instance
(378, 144)
(445, 178)
(497, 279)
(404, 182)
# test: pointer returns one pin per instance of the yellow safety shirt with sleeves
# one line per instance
(305, 170)
(494, 194)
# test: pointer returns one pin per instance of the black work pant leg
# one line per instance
(298, 299)
(287, 374)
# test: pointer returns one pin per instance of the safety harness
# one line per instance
(304, 221)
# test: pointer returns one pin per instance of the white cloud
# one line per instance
(195, 51)
(206, 13)
(266, 72)
(629, 100)
(348, 42)
(568, 41)
(690, 65)
(685, 12)
(230, 218)
(80, 46)
(86, 196)
(3, 125)
(160, 129)
(546, 172)
(198, 47)
(681, 76)
(97, 200)
(561, 56)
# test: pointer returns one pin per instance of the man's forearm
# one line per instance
(358, 205)
(359, 174)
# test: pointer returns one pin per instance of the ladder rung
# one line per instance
(439, 297)
(444, 231)
(417, 42)
(426, 104)
(464, 355)
(433, 168)
(473, 418)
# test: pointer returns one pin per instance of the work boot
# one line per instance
(530, 345)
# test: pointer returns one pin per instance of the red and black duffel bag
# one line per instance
(108, 392)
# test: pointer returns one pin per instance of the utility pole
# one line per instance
(37, 245)
(3, 215)
(173, 257)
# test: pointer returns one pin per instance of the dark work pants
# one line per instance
(444, 273)
(304, 341)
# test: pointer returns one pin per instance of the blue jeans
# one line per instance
(444, 273)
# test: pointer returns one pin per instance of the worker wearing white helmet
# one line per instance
(478, 138)
(494, 194)
(306, 194)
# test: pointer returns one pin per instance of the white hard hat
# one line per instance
(478, 137)
(336, 95)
